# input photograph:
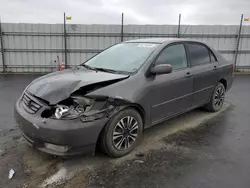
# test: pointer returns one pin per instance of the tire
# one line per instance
(217, 98)
(117, 145)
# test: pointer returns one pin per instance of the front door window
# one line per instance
(175, 55)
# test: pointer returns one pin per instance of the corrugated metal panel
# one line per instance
(34, 47)
(78, 58)
(228, 56)
(31, 61)
(243, 60)
(209, 29)
(1, 63)
(245, 29)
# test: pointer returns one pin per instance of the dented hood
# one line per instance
(58, 86)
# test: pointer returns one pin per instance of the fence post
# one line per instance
(238, 41)
(1, 45)
(179, 27)
(122, 29)
(65, 41)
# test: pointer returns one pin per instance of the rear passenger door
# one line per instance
(204, 70)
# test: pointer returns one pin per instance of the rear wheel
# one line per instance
(217, 99)
(122, 133)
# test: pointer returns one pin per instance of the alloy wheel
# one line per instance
(125, 133)
(219, 97)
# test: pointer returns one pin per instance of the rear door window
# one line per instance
(199, 54)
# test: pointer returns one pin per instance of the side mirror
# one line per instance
(161, 69)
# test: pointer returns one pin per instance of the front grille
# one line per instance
(30, 105)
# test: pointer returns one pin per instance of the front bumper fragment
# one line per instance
(79, 137)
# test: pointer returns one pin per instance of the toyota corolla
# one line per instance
(111, 98)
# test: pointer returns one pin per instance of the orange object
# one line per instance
(62, 65)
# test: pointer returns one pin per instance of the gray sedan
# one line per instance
(111, 98)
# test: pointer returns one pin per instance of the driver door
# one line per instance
(171, 93)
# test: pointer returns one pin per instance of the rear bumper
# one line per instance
(78, 137)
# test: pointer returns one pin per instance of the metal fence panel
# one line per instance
(209, 29)
(35, 47)
(243, 60)
(245, 29)
(78, 58)
(1, 63)
(228, 56)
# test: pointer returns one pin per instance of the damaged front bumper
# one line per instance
(57, 136)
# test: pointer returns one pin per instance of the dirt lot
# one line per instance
(197, 149)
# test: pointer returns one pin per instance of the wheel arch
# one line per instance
(139, 109)
(224, 82)
(134, 106)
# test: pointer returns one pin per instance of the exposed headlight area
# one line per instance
(73, 107)
(87, 109)
(63, 111)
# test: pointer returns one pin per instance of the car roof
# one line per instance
(160, 40)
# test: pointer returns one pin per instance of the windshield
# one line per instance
(124, 57)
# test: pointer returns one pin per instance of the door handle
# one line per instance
(188, 75)
(215, 67)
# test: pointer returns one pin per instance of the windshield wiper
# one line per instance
(103, 69)
(106, 70)
(97, 69)
(89, 67)
(111, 71)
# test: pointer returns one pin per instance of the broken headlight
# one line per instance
(73, 107)
(87, 109)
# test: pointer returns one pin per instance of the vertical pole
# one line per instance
(1, 45)
(238, 41)
(122, 29)
(179, 27)
(65, 41)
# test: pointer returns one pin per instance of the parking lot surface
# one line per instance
(197, 149)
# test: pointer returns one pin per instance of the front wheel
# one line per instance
(122, 133)
(217, 98)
